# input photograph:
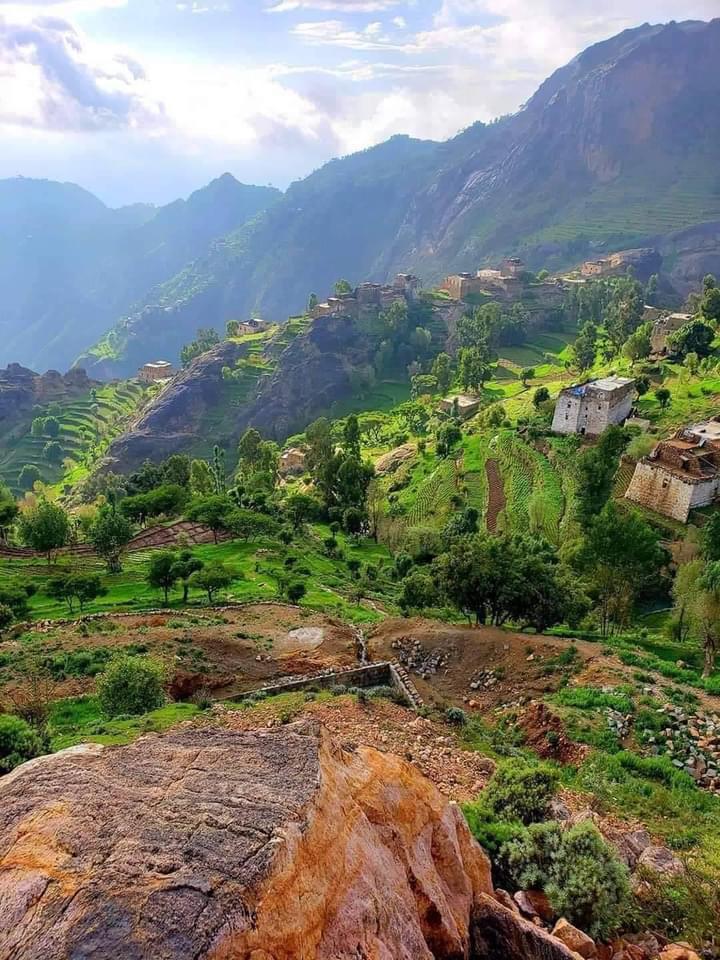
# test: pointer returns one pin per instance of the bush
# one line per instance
(130, 686)
(521, 791)
(579, 873)
(456, 716)
(18, 742)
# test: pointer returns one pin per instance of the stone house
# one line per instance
(467, 406)
(292, 462)
(256, 325)
(596, 268)
(662, 328)
(588, 408)
(368, 298)
(681, 473)
(157, 370)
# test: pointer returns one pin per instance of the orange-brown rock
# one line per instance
(574, 939)
(679, 951)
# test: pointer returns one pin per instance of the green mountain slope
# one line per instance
(69, 264)
(618, 148)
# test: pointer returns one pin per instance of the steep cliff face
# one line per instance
(21, 388)
(176, 420)
(208, 843)
(616, 150)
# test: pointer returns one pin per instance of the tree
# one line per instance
(162, 572)
(596, 470)
(212, 511)
(51, 427)
(212, 578)
(15, 596)
(528, 373)
(80, 588)
(8, 511)
(169, 499)
(442, 370)
(541, 396)
(299, 508)
(642, 384)
(692, 362)
(176, 470)
(423, 385)
(637, 345)
(45, 528)
(622, 554)
(53, 452)
(201, 480)
(311, 303)
(705, 613)
(109, 533)
(295, 591)
(710, 304)
(37, 428)
(183, 569)
(249, 451)
(232, 328)
(585, 346)
(206, 338)
(18, 742)
(249, 524)
(418, 592)
(351, 437)
(474, 369)
(693, 337)
(131, 685)
(29, 476)
(663, 397)
(342, 287)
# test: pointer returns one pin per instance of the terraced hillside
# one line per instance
(87, 426)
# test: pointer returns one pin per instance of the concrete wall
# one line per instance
(666, 493)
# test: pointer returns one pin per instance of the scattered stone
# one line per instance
(661, 860)
(679, 951)
(534, 903)
(574, 939)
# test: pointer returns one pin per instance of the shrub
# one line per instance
(579, 873)
(131, 685)
(456, 716)
(18, 742)
(520, 791)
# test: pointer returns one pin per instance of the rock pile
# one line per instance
(692, 742)
(483, 679)
(412, 655)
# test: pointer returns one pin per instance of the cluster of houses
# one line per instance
(369, 298)
(680, 474)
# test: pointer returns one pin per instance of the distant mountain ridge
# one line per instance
(620, 148)
(69, 265)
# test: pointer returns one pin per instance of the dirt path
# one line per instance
(496, 494)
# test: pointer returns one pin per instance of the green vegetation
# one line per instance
(131, 685)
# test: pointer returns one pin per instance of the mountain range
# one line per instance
(619, 148)
(70, 266)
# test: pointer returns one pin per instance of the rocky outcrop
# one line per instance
(173, 422)
(274, 845)
(21, 389)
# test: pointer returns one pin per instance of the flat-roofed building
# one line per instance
(588, 408)
(155, 370)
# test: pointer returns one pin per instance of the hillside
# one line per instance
(615, 150)
(69, 264)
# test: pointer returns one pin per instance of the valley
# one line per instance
(360, 577)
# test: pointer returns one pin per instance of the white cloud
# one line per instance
(337, 6)
(55, 79)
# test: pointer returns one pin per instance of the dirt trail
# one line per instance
(496, 494)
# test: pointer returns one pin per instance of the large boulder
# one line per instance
(212, 843)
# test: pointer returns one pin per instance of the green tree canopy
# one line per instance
(45, 528)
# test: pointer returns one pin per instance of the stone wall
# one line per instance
(666, 493)
(592, 413)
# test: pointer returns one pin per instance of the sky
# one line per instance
(147, 100)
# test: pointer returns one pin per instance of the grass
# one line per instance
(257, 566)
(80, 720)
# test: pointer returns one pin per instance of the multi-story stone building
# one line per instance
(681, 473)
(662, 328)
(157, 370)
(370, 297)
(588, 408)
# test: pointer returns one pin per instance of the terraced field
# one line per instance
(535, 502)
(87, 425)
